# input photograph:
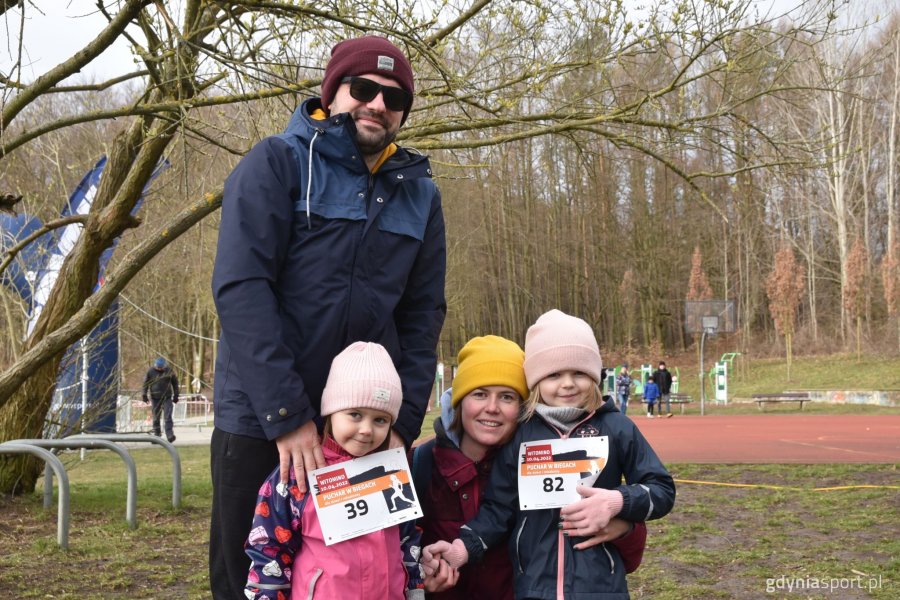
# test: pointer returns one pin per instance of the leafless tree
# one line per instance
(498, 82)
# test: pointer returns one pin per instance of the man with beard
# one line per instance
(330, 234)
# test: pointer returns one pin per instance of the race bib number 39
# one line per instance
(363, 495)
(551, 470)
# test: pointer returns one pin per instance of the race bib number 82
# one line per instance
(551, 470)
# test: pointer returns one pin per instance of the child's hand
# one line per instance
(614, 530)
(443, 579)
(431, 556)
(455, 554)
(590, 515)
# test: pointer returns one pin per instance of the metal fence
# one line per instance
(132, 414)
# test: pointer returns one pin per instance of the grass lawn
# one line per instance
(769, 375)
(719, 542)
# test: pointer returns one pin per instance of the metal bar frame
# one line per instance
(131, 498)
(53, 465)
(150, 439)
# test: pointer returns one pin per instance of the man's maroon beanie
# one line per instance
(369, 54)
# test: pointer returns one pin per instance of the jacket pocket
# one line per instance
(311, 589)
(333, 193)
(612, 563)
(331, 208)
(406, 211)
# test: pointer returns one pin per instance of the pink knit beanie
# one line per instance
(368, 54)
(363, 376)
(560, 342)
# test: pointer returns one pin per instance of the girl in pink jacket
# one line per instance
(289, 557)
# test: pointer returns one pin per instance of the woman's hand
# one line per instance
(614, 530)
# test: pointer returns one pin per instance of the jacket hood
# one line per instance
(333, 140)
(442, 423)
(608, 406)
(332, 134)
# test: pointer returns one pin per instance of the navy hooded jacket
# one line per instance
(544, 560)
(315, 252)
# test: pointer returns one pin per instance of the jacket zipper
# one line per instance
(561, 542)
(518, 538)
(312, 584)
(560, 567)
(612, 563)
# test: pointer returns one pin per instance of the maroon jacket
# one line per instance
(454, 495)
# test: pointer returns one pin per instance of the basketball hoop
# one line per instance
(710, 324)
(701, 315)
(708, 317)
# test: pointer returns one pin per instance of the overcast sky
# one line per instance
(57, 35)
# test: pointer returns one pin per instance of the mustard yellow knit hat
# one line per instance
(489, 360)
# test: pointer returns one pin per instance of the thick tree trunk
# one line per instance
(25, 416)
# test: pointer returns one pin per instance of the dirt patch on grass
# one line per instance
(756, 542)
(165, 557)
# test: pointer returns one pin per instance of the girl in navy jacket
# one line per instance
(651, 395)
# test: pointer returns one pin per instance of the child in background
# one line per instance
(554, 551)
(480, 413)
(651, 395)
(361, 401)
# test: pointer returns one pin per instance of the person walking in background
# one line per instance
(651, 394)
(161, 389)
(288, 552)
(663, 378)
(330, 234)
(623, 389)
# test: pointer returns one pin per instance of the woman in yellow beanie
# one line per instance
(567, 551)
(480, 413)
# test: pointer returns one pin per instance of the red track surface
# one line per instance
(773, 438)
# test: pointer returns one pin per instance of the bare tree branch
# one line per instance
(12, 251)
(96, 306)
(129, 11)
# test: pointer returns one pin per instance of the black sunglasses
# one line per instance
(365, 90)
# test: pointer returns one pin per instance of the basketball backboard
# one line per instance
(709, 316)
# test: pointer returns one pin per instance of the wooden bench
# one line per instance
(681, 399)
(763, 399)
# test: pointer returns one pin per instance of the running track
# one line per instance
(773, 438)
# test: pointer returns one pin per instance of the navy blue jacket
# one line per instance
(307, 265)
(540, 554)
